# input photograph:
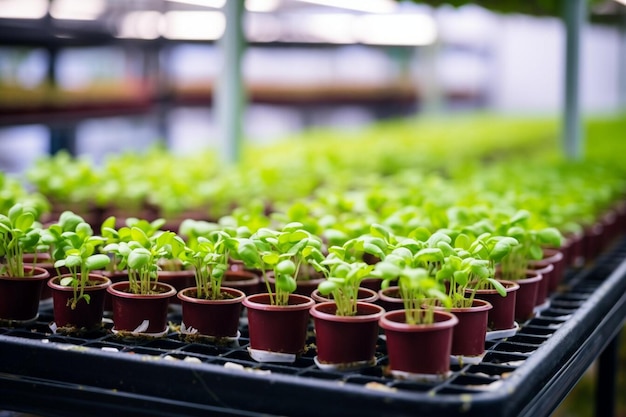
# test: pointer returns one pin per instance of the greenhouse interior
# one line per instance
(312, 207)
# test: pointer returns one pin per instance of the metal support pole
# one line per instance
(605, 384)
(229, 93)
(575, 14)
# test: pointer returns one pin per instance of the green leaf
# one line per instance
(327, 287)
(138, 258)
(96, 262)
(24, 221)
(73, 261)
(66, 281)
(286, 283)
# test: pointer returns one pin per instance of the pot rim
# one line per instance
(249, 277)
(105, 282)
(387, 324)
(318, 314)
(509, 286)
(302, 302)
(239, 296)
(371, 298)
(483, 306)
(112, 289)
(40, 274)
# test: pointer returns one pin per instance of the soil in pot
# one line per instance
(20, 296)
(139, 314)
(277, 333)
(346, 342)
(419, 351)
(214, 319)
(85, 316)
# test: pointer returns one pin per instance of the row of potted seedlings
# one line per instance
(422, 283)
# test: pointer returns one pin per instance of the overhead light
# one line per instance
(20, 9)
(395, 29)
(262, 28)
(194, 25)
(141, 25)
(262, 6)
(77, 9)
(621, 1)
(368, 6)
(216, 4)
(327, 27)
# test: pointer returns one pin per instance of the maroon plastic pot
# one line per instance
(422, 349)
(364, 295)
(114, 276)
(390, 299)
(346, 341)
(278, 329)
(139, 313)
(468, 338)
(527, 295)
(85, 315)
(213, 318)
(556, 258)
(546, 272)
(179, 280)
(20, 296)
(43, 260)
(502, 314)
(372, 283)
(245, 281)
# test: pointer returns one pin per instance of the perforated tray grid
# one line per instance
(526, 373)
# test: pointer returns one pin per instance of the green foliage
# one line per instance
(208, 250)
(19, 234)
(140, 255)
(282, 251)
(76, 248)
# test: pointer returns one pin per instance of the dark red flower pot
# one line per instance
(527, 295)
(278, 329)
(346, 341)
(422, 349)
(43, 260)
(372, 283)
(468, 337)
(390, 299)
(544, 284)
(213, 318)
(114, 276)
(245, 281)
(555, 258)
(364, 295)
(502, 314)
(137, 313)
(20, 296)
(85, 315)
(179, 280)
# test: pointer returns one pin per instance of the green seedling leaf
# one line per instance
(96, 262)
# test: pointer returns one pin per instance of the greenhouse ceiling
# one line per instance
(266, 21)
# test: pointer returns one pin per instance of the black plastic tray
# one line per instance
(103, 374)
